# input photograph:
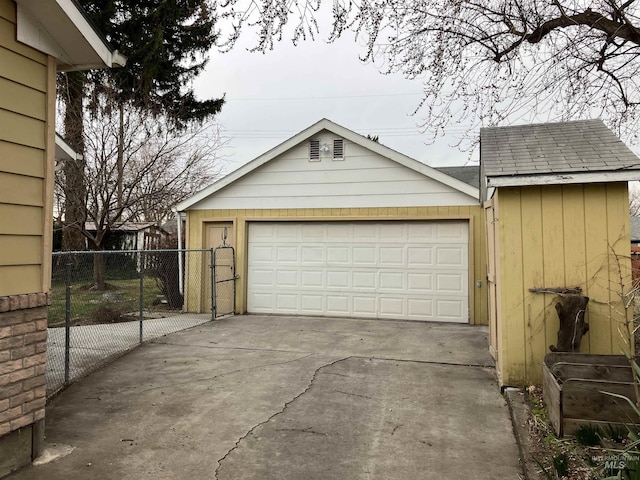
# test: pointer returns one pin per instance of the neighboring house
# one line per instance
(132, 236)
(635, 231)
(332, 223)
(37, 39)
(557, 217)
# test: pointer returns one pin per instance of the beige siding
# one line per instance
(27, 80)
(198, 219)
(363, 179)
(551, 237)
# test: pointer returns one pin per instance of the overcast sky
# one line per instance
(273, 96)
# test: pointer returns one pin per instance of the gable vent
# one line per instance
(314, 150)
(338, 149)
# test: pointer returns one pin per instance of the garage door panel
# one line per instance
(391, 257)
(369, 269)
(312, 278)
(420, 256)
(287, 302)
(338, 255)
(449, 309)
(364, 305)
(455, 256)
(287, 278)
(365, 256)
(452, 283)
(338, 279)
(338, 305)
(312, 304)
(391, 280)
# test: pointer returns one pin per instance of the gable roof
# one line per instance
(555, 153)
(343, 132)
(60, 28)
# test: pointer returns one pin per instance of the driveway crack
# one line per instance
(284, 408)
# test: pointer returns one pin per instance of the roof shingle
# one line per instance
(582, 146)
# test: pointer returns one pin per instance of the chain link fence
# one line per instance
(103, 304)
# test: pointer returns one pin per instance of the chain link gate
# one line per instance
(223, 286)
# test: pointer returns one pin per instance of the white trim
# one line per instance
(345, 133)
(58, 28)
(64, 151)
(563, 178)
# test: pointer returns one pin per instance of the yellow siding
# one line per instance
(559, 236)
(27, 81)
(196, 219)
(19, 279)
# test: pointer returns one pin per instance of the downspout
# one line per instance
(180, 252)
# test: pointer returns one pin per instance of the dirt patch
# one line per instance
(592, 455)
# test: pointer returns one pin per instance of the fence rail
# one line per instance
(105, 303)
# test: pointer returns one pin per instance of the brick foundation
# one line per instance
(23, 345)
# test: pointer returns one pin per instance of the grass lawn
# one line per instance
(121, 302)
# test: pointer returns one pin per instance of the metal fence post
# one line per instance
(67, 322)
(141, 292)
(213, 284)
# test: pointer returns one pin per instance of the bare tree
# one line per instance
(159, 168)
(634, 203)
(481, 62)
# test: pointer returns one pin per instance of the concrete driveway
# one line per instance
(253, 397)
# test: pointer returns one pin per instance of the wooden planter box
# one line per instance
(572, 386)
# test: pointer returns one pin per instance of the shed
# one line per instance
(331, 223)
(132, 236)
(557, 216)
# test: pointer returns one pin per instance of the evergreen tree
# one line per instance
(166, 42)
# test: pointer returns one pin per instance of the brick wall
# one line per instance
(23, 344)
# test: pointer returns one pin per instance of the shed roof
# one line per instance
(555, 153)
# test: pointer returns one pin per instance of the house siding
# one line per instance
(24, 111)
(198, 219)
(362, 179)
(559, 236)
(27, 113)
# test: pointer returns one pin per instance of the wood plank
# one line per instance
(533, 276)
(22, 100)
(8, 41)
(20, 220)
(571, 425)
(8, 10)
(574, 234)
(21, 190)
(20, 279)
(619, 265)
(20, 250)
(552, 397)
(583, 399)
(21, 160)
(47, 224)
(584, 358)
(511, 289)
(22, 130)
(597, 269)
(23, 70)
(614, 373)
(554, 256)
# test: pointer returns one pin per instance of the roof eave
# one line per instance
(59, 28)
(562, 178)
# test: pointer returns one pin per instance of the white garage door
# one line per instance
(399, 270)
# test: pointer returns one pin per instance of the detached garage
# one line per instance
(331, 223)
